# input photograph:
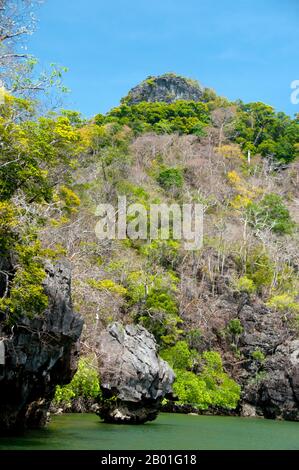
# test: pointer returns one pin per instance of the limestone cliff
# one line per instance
(39, 353)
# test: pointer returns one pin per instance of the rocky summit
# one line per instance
(166, 88)
(134, 379)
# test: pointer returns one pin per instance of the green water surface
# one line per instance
(168, 432)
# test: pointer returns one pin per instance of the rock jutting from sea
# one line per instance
(134, 379)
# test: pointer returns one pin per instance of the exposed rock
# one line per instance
(39, 354)
(76, 405)
(264, 329)
(248, 411)
(270, 387)
(167, 88)
(276, 393)
(134, 380)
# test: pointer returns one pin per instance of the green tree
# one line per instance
(270, 213)
(35, 153)
(180, 356)
(184, 117)
(210, 386)
(170, 178)
(85, 383)
(259, 129)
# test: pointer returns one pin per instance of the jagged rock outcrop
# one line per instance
(134, 380)
(275, 393)
(270, 387)
(167, 88)
(264, 329)
(39, 354)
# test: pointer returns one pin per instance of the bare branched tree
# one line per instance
(17, 22)
(221, 118)
(18, 71)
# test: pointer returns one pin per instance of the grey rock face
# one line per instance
(132, 373)
(39, 354)
(276, 395)
(270, 388)
(167, 88)
(263, 330)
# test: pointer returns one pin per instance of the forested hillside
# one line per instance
(226, 316)
(56, 169)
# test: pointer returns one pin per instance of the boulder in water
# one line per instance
(134, 379)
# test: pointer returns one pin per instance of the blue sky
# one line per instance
(244, 49)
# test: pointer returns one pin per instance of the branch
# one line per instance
(13, 35)
(31, 87)
(7, 283)
(16, 56)
(8, 163)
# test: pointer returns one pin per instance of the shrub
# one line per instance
(163, 252)
(259, 268)
(136, 283)
(158, 299)
(231, 152)
(108, 285)
(164, 327)
(212, 386)
(233, 178)
(286, 279)
(8, 223)
(244, 284)
(69, 199)
(180, 356)
(152, 298)
(224, 391)
(191, 390)
(194, 338)
(270, 213)
(284, 303)
(85, 384)
(160, 316)
(234, 327)
(258, 356)
(240, 201)
(170, 178)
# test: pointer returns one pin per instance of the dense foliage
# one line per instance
(170, 178)
(273, 135)
(255, 126)
(37, 156)
(210, 386)
(85, 384)
(184, 117)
